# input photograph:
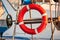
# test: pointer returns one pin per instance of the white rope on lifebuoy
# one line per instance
(21, 23)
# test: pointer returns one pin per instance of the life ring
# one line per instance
(21, 22)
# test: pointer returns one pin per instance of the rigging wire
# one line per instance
(5, 7)
(12, 6)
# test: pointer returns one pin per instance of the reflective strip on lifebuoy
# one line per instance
(29, 30)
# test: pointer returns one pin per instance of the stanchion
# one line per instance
(13, 37)
(30, 19)
(52, 25)
(14, 31)
(43, 1)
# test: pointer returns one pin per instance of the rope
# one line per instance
(5, 7)
(11, 5)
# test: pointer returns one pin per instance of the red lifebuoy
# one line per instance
(29, 30)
